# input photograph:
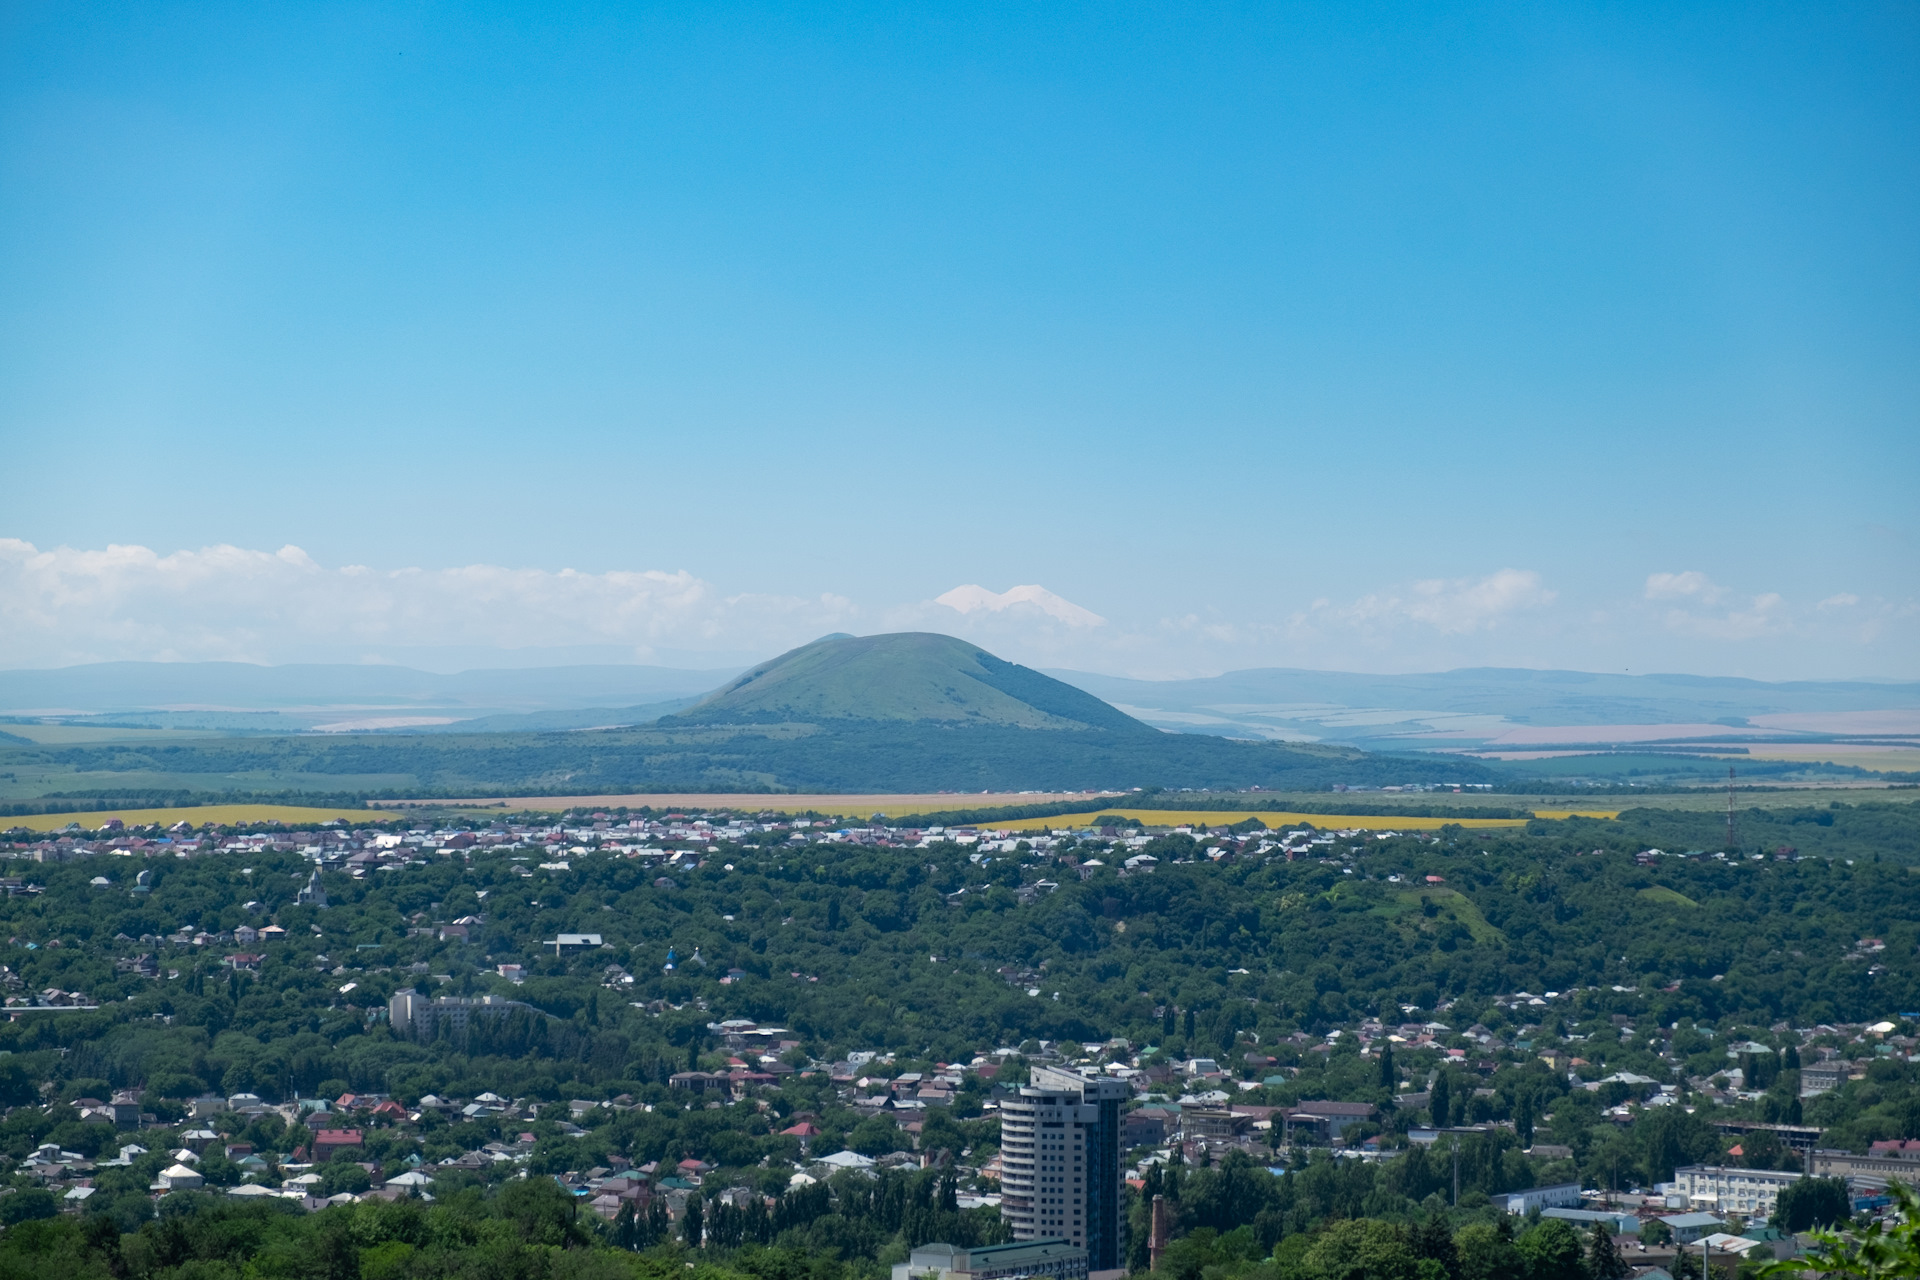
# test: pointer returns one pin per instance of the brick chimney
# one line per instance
(1157, 1236)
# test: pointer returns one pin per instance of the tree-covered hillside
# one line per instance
(933, 950)
(916, 676)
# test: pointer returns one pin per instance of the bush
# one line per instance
(218, 1170)
(874, 1136)
(1810, 1203)
(26, 1206)
(17, 1087)
(77, 1089)
(174, 1084)
(337, 1176)
(1361, 1250)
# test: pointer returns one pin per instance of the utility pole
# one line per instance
(1158, 1232)
(1732, 847)
(1456, 1172)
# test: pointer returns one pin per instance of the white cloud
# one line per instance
(1451, 606)
(1763, 616)
(1699, 606)
(1844, 600)
(129, 602)
(1691, 584)
(973, 598)
(1766, 615)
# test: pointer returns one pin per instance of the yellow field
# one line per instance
(861, 807)
(856, 807)
(845, 806)
(219, 814)
(1888, 759)
(1217, 817)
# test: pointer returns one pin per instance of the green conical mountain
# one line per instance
(913, 676)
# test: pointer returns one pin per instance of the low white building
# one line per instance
(846, 1160)
(1561, 1195)
(1025, 1260)
(180, 1178)
(252, 1191)
(1752, 1193)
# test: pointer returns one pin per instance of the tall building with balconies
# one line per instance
(1060, 1163)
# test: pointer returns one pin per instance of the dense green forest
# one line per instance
(843, 755)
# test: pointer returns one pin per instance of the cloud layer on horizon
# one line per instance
(974, 598)
(63, 605)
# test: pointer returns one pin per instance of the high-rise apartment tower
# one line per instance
(1060, 1162)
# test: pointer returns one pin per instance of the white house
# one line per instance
(180, 1178)
(252, 1191)
(846, 1160)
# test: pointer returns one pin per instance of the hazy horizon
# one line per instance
(537, 660)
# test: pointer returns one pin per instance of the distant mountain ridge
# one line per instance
(913, 712)
(936, 678)
(315, 692)
(1383, 710)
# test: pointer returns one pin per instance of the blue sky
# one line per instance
(1385, 338)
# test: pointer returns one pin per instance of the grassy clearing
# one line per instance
(32, 780)
(1672, 897)
(85, 735)
(1407, 908)
(218, 814)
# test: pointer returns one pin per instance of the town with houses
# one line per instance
(1130, 1100)
(1185, 1112)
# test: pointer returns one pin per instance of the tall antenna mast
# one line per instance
(1731, 845)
